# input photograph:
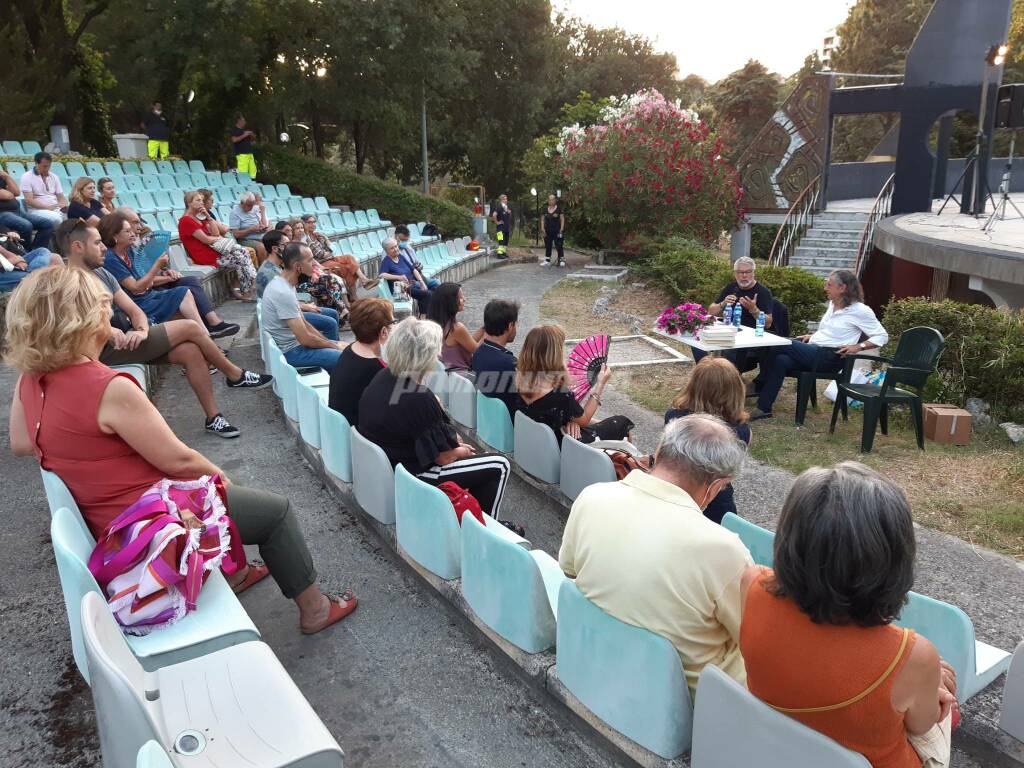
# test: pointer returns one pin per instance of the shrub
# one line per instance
(341, 187)
(690, 272)
(984, 354)
(762, 238)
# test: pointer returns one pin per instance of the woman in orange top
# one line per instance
(817, 636)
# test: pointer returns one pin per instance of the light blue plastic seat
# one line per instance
(212, 179)
(373, 479)
(12, 147)
(289, 389)
(180, 166)
(283, 192)
(759, 541)
(130, 168)
(1011, 714)
(58, 496)
(374, 218)
(462, 399)
(95, 170)
(308, 407)
(336, 443)
(295, 206)
(75, 169)
(493, 424)
(375, 241)
(183, 179)
(365, 246)
(113, 169)
(162, 200)
(582, 465)
(338, 222)
(629, 677)
(401, 305)
(134, 183)
(148, 167)
(199, 180)
(513, 589)
(17, 170)
(167, 222)
(196, 166)
(144, 201)
(152, 755)
(219, 620)
(361, 220)
(437, 382)
(164, 166)
(426, 526)
(349, 218)
(155, 181)
(732, 727)
(321, 204)
(536, 449)
(131, 199)
(309, 206)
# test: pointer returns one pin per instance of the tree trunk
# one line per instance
(359, 138)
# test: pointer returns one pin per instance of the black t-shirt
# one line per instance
(78, 210)
(556, 409)
(412, 429)
(763, 298)
(504, 216)
(349, 379)
(8, 205)
(552, 221)
(156, 127)
(243, 147)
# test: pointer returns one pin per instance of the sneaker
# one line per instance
(223, 329)
(561, 263)
(252, 380)
(220, 427)
(546, 264)
(757, 413)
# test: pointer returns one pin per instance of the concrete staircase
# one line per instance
(831, 243)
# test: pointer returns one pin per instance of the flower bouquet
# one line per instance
(686, 319)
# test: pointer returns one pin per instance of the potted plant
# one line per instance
(684, 320)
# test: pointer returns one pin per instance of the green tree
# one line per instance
(743, 102)
(692, 90)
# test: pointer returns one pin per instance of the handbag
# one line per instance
(462, 501)
(624, 463)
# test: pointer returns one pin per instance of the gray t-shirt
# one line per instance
(108, 280)
(240, 219)
(268, 271)
(279, 305)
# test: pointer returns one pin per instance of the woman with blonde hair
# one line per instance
(544, 386)
(96, 429)
(715, 387)
(83, 203)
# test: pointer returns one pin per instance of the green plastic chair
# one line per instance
(917, 355)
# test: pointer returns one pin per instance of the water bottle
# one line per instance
(759, 330)
(737, 314)
(727, 314)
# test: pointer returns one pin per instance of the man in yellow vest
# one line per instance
(501, 213)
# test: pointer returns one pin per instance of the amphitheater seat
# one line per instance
(130, 168)
(629, 677)
(284, 193)
(162, 201)
(335, 443)
(17, 169)
(338, 223)
(374, 218)
(426, 526)
(1011, 715)
(133, 183)
(437, 382)
(373, 479)
(462, 400)
(183, 179)
(75, 169)
(361, 220)
(583, 465)
(351, 225)
(155, 181)
(493, 424)
(167, 222)
(732, 727)
(512, 589)
(289, 389)
(321, 204)
(148, 167)
(198, 180)
(235, 706)
(213, 179)
(219, 620)
(95, 170)
(759, 541)
(295, 206)
(180, 166)
(113, 169)
(308, 407)
(12, 147)
(309, 206)
(536, 449)
(31, 147)
(180, 261)
(384, 292)
(196, 166)
(165, 166)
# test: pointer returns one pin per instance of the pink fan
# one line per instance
(585, 363)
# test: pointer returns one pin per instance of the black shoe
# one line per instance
(757, 413)
(220, 427)
(252, 380)
(223, 329)
(514, 527)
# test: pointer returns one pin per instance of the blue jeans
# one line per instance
(793, 359)
(37, 259)
(326, 321)
(23, 224)
(191, 282)
(300, 357)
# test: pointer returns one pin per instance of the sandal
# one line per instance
(257, 573)
(370, 283)
(341, 606)
(514, 527)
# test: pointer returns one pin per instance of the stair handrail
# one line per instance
(879, 211)
(793, 226)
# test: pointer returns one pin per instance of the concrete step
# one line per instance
(813, 241)
(823, 233)
(840, 216)
(848, 225)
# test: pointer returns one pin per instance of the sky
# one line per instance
(715, 38)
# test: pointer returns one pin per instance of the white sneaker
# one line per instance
(546, 264)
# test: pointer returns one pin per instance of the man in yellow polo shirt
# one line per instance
(643, 552)
(241, 142)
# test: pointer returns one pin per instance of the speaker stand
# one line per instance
(999, 211)
(972, 162)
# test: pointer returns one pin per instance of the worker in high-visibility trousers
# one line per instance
(501, 213)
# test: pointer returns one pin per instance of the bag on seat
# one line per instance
(462, 500)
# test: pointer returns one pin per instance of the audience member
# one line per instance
(43, 193)
(641, 550)
(241, 144)
(107, 193)
(715, 387)
(13, 220)
(345, 266)
(133, 340)
(248, 225)
(21, 261)
(84, 204)
(324, 320)
(200, 245)
(103, 437)
(395, 269)
(544, 384)
(158, 132)
(409, 253)
(300, 343)
(457, 343)
(753, 299)
(817, 634)
(284, 227)
(403, 417)
(493, 364)
(360, 361)
(846, 320)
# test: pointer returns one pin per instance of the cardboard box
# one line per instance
(947, 424)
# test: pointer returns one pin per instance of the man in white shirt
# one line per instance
(248, 223)
(43, 193)
(839, 333)
(642, 551)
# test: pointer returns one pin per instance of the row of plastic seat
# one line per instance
(72, 169)
(20, 148)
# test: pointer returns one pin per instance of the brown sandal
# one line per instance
(257, 573)
(341, 606)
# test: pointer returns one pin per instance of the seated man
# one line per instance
(299, 342)
(406, 248)
(45, 202)
(323, 319)
(664, 566)
(839, 333)
(22, 262)
(493, 364)
(183, 342)
(12, 218)
(248, 224)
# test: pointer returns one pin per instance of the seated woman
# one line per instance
(544, 386)
(118, 235)
(406, 420)
(107, 193)
(715, 387)
(99, 432)
(12, 251)
(325, 289)
(345, 266)
(371, 321)
(396, 269)
(205, 241)
(458, 344)
(83, 203)
(817, 634)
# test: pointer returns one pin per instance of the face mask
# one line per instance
(158, 111)
(706, 500)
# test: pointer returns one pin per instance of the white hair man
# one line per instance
(248, 223)
(642, 551)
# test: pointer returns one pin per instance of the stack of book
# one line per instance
(720, 335)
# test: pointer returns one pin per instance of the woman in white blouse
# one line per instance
(847, 320)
